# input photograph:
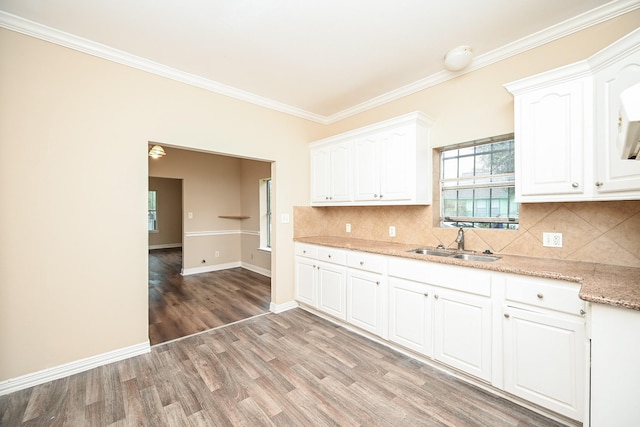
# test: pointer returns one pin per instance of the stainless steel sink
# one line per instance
(424, 251)
(455, 255)
(470, 257)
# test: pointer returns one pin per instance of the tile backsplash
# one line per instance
(604, 232)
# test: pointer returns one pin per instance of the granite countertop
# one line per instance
(600, 283)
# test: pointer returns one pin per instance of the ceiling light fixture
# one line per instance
(458, 58)
(156, 152)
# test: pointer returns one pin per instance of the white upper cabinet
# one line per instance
(389, 163)
(616, 177)
(566, 126)
(331, 173)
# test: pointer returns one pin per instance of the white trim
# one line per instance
(166, 246)
(43, 32)
(250, 232)
(280, 308)
(67, 369)
(211, 233)
(256, 269)
(210, 268)
(570, 26)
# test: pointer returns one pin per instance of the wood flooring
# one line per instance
(183, 305)
(288, 369)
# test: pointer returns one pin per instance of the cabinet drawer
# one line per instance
(366, 262)
(332, 255)
(305, 250)
(550, 294)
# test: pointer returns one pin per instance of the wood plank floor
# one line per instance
(288, 369)
(183, 305)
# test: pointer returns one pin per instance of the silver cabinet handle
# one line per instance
(361, 262)
(329, 256)
(375, 196)
(426, 294)
(377, 283)
(582, 312)
(599, 184)
(381, 196)
(575, 185)
(540, 296)
(436, 296)
(506, 315)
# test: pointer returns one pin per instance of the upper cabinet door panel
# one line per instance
(614, 173)
(366, 172)
(397, 170)
(550, 141)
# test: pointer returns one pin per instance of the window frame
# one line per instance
(155, 228)
(476, 184)
(266, 214)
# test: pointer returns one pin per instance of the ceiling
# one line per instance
(318, 59)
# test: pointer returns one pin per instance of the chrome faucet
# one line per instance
(460, 239)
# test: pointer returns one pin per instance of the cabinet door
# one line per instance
(614, 175)
(340, 172)
(365, 300)
(462, 332)
(320, 175)
(397, 168)
(544, 360)
(332, 292)
(410, 314)
(366, 168)
(550, 141)
(306, 281)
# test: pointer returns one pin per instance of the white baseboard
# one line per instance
(61, 371)
(256, 269)
(279, 308)
(210, 268)
(166, 246)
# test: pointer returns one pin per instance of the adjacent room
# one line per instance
(217, 271)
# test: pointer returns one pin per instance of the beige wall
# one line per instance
(73, 268)
(169, 214)
(74, 131)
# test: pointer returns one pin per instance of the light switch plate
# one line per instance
(392, 231)
(284, 218)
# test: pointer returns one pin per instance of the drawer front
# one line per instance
(305, 250)
(473, 281)
(332, 255)
(366, 262)
(549, 294)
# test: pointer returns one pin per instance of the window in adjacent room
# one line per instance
(477, 184)
(153, 210)
(265, 214)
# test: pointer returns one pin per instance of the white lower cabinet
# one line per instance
(462, 331)
(544, 360)
(366, 300)
(522, 334)
(332, 285)
(410, 315)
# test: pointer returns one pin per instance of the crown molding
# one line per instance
(588, 19)
(43, 32)
(570, 26)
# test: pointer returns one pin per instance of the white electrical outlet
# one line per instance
(217, 254)
(552, 240)
(348, 228)
(392, 231)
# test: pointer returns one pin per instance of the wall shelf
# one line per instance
(234, 216)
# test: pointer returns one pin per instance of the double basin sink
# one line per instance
(455, 255)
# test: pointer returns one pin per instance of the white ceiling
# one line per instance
(319, 59)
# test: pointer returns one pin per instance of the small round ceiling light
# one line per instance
(458, 58)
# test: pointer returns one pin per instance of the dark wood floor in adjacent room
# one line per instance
(183, 305)
(288, 369)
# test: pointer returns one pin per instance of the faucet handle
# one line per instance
(440, 246)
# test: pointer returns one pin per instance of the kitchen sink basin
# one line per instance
(455, 255)
(424, 251)
(470, 257)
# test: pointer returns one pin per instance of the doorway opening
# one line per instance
(216, 270)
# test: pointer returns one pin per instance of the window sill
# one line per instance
(265, 250)
(154, 231)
